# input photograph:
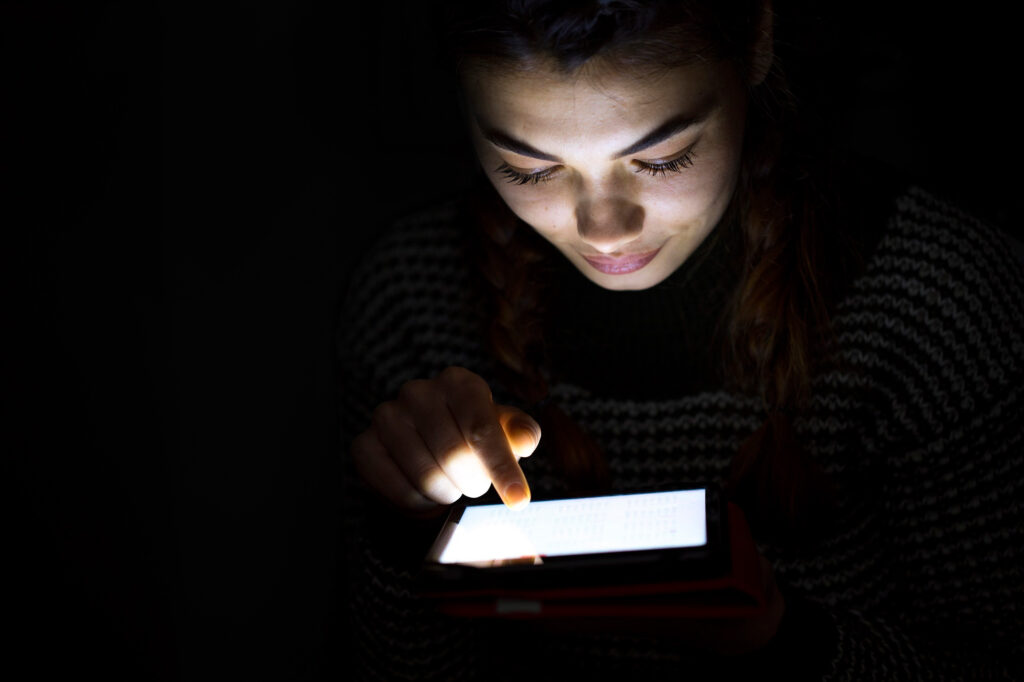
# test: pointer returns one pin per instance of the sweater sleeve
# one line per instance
(943, 297)
(398, 635)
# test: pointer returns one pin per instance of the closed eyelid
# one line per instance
(521, 178)
(667, 158)
(675, 164)
(529, 169)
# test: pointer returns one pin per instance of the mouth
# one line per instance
(621, 265)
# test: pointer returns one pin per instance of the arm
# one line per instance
(952, 435)
(397, 636)
(397, 482)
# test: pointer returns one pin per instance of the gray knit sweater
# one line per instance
(921, 427)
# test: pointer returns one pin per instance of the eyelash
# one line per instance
(673, 166)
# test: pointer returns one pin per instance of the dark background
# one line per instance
(185, 190)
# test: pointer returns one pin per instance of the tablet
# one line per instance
(636, 537)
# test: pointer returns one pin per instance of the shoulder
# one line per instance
(909, 239)
(929, 245)
(410, 262)
(410, 302)
(412, 247)
(955, 279)
(880, 208)
(936, 315)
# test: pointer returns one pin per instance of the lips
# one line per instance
(621, 265)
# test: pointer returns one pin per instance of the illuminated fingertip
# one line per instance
(516, 496)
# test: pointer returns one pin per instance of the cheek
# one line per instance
(686, 199)
(543, 208)
(705, 188)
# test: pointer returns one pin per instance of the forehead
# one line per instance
(540, 102)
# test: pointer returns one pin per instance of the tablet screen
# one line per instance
(592, 525)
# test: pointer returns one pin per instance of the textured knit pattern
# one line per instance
(920, 425)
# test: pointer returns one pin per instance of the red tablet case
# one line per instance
(738, 593)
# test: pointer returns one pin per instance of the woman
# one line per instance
(658, 278)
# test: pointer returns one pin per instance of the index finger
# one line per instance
(477, 416)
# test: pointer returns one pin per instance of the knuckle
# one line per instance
(460, 378)
(416, 392)
(453, 374)
(483, 433)
(361, 445)
(449, 447)
(424, 474)
(524, 424)
(503, 470)
(386, 414)
(361, 463)
(412, 499)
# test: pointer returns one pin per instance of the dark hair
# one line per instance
(779, 317)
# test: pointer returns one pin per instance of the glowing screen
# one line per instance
(614, 523)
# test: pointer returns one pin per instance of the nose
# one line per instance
(609, 223)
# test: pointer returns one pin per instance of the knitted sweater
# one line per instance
(920, 426)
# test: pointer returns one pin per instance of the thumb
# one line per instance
(522, 431)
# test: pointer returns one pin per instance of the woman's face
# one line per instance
(624, 175)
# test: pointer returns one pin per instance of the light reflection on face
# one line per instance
(575, 158)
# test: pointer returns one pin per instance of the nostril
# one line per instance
(608, 224)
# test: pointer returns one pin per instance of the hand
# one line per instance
(444, 438)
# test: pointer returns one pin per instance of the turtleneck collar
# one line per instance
(654, 343)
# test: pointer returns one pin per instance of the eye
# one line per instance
(673, 166)
(520, 178)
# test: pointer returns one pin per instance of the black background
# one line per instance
(185, 190)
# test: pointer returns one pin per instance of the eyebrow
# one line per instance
(671, 127)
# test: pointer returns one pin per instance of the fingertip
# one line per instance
(516, 496)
